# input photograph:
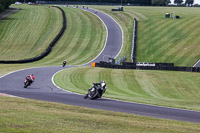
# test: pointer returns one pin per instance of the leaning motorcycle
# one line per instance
(27, 83)
(94, 92)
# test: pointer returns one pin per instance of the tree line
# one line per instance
(141, 2)
(4, 4)
(187, 2)
(138, 2)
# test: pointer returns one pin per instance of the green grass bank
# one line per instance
(165, 88)
(30, 116)
(22, 115)
(160, 39)
(29, 31)
(82, 41)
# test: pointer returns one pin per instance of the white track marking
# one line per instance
(196, 63)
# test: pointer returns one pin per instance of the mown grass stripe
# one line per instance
(79, 46)
(23, 40)
(158, 35)
(179, 89)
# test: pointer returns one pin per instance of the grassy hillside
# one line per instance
(28, 32)
(161, 39)
(29, 116)
(174, 89)
(82, 41)
(83, 35)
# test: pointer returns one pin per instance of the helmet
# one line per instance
(31, 74)
(103, 84)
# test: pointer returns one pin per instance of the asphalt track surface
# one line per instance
(8, 12)
(197, 64)
(43, 88)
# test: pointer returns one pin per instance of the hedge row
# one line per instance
(4, 4)
(98, 2)
(46, 51)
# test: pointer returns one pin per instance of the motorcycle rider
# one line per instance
(30, 78)
(64, 63)
(101, 87)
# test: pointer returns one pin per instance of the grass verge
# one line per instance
(30, 116)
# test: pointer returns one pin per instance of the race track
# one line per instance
(197, 64)
(44, 89)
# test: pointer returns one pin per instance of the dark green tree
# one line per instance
(178, 2)
(1, 7)
(124, 2)
(6, 3)
(167, 2)
(189, 2)
(160, 2)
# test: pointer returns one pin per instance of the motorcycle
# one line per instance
(95, 92)
(27, 82)
(64, 63)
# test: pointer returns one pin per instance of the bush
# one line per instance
(6, 3)
(1, 8)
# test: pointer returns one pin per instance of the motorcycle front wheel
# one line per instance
(26, 84)
(93, 94)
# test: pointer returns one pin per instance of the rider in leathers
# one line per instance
(30, 78)
(101, 87)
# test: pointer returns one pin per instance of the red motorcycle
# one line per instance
(28, 81)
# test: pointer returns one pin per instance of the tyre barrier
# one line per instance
(119, 9)
(158, 66)
(124, 65)
(46, 51)
(134, 41)
(175, 68)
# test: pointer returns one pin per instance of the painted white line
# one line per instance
(150, 105)
(119, 100)
(81, 94)
(196, 63)
(22, 70)
(4, 94)
(105, 41)
(8, 95)
(120, 28)
(115, 57)
(52, 80)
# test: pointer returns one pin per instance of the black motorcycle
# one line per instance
(64, 63)
(95, 92)
(27, 82)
